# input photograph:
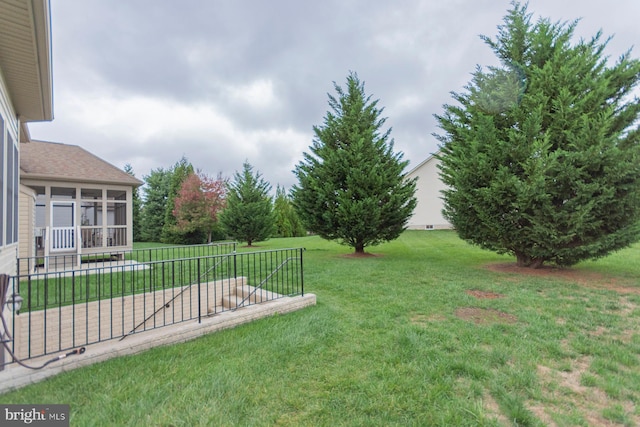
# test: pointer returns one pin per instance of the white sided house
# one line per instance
(428, 212)
(25, 96)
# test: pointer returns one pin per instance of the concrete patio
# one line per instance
(16, 376)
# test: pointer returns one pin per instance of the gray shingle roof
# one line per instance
(63, 162)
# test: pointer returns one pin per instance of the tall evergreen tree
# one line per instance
(287, 222)
(542, 155)
(352, 187)
(170, 232)
(137, 207)
(155, 200)
(248, 216)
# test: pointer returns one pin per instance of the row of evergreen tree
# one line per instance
(540, 156)
(352, 189)
(181, 205)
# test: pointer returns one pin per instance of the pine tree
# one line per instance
(248, 216)
(287, 222)
(542, 155)
(170, 232)
(352, 187)
(155, 200)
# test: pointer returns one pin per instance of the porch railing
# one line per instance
(63, 238)
(70, 238)
(60, 262)
(67, 309)
(101, 237)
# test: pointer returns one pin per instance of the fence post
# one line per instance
(199, 294)
(235, 266)
(46, 244)
(301, 272)
(4, 290)
(77, 240)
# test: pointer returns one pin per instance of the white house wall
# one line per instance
(428, 212)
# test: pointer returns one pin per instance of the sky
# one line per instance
(147, 82)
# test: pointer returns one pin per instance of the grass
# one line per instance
(399, 339)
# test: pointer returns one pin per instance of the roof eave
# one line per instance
(42, 37)
(27, 66)
(39, 177)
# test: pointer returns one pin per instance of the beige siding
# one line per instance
(8, 260)
(11, 126)
(428, 212)
(27, 221)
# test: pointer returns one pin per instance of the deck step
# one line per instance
(245, 295)
(233, 301)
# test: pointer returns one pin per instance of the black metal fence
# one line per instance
(71, 261)
(65, 309)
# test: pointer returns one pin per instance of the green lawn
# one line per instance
(423, 333)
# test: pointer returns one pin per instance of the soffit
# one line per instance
(25, 57)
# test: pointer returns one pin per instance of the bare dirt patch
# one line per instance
(483, 316)
(570, 392)
(584, 278)
(483, 294)
(493, 409)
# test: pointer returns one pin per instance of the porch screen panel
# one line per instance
(117, 217)
(63, 193)
(91, 213)
(117, 213)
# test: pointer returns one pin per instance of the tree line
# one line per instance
(352, 189)
(182, 205)
(540, 156)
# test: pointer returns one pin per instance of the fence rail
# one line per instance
(65, 309)
(74, 261)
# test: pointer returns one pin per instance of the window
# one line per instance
(2, 180)
(11, 231)
(9, 186)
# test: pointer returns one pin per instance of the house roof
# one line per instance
(424, 162)
(62, 162)
(25, 57)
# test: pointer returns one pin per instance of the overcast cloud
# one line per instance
(220, 82)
